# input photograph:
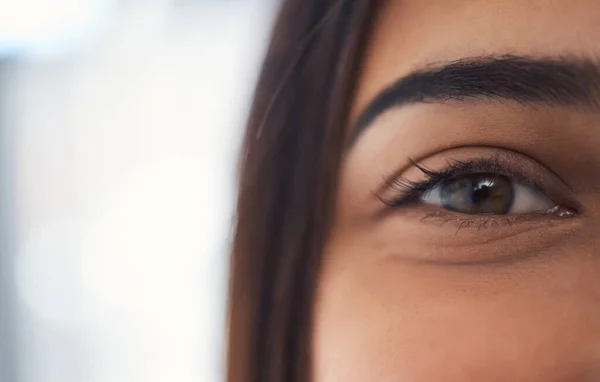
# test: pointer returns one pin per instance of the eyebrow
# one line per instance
(554, 82)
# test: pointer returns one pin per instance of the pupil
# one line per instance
(480, 192)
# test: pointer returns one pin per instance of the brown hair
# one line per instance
(292, 150)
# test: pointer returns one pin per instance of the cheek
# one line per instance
(386, 321)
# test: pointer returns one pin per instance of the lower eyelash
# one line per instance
(442, 218)
(481, 222)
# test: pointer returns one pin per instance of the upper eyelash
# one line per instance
(408, 191)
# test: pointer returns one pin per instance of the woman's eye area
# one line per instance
(487, 194)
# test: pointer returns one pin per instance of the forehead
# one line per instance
(411, 34)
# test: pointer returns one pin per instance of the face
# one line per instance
(465, 244)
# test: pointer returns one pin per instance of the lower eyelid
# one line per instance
(479, 239)
(502, 225)
(459, 240)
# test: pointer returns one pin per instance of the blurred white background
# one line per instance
(120, 122)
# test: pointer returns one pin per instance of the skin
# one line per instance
(402, 297)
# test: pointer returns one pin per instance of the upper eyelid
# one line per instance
(454, 168)
(498, 163)
(511, 153)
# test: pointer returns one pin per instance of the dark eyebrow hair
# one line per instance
(561, 81)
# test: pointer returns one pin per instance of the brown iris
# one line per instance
(478, 194)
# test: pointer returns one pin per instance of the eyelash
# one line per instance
(408, 192)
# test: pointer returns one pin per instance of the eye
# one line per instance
(484, 194)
